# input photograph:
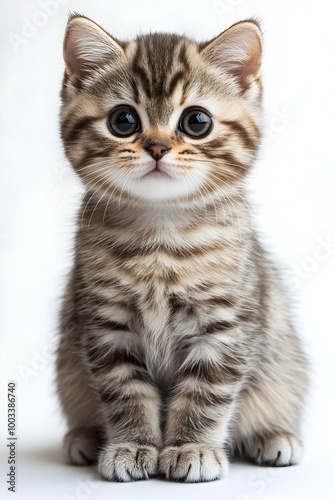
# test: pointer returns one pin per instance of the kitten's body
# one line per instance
(176, 337)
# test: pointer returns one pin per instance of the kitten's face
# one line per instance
(161, 118)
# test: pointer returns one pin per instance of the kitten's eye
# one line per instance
(123, 121)
(195, 123)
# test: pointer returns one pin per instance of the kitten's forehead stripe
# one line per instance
(155, 53)
(134, 88)
(140, 73)
(176, 78)
(182, 57)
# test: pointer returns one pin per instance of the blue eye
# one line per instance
(123, 121)
(196, 123)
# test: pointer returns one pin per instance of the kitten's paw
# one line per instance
(192, 463)
(128, 462)
(81, 446)
(277, 451)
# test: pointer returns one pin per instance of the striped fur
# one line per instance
(176, 342)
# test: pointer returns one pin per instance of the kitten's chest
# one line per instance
(159, 340)
(162, 328)
(152, 277)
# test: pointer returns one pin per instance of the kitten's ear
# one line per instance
(87, 47)
(237, 52)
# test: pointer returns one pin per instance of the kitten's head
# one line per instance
(161, 118)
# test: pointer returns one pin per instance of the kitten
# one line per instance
(176, 345)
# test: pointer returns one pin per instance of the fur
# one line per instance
(176, 344)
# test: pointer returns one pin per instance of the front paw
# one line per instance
(192, 463)
(128, 462)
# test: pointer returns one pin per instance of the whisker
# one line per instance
(221, 161)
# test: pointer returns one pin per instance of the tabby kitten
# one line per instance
(176, 345)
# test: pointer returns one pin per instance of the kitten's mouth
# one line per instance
(156, 173)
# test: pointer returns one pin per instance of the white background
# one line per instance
(292, 188)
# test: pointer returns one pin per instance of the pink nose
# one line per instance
(157, 150)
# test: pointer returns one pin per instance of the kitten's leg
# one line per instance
(270, 408)
(267, 424)
(131, 404)
(80, 406)
(201, 407)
